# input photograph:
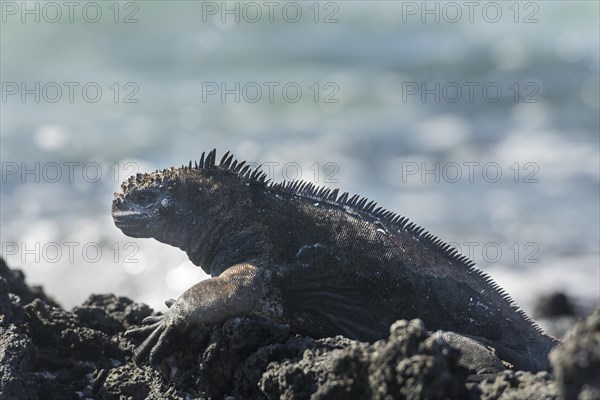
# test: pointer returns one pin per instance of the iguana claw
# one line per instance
(157, 331)
(235, 292)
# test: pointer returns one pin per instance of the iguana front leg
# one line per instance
(237, 291)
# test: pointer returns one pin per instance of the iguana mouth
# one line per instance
(128, 218)
(127, 214)
(132, 223)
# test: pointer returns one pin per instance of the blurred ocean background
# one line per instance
(369, 120)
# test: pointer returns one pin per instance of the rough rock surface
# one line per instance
(554, 305)
(50, 353)
(577, 362)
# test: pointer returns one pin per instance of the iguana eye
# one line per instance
(144, 198)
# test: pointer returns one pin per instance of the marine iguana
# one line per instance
(325, 263)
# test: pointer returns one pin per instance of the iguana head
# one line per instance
(150, 205)
(185, 207)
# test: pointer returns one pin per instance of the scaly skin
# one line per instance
(204, 302)
(324, 263)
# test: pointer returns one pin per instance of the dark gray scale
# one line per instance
(323, 262)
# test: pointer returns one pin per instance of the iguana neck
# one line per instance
(222, 241)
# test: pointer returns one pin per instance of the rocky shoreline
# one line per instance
(49, 353)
